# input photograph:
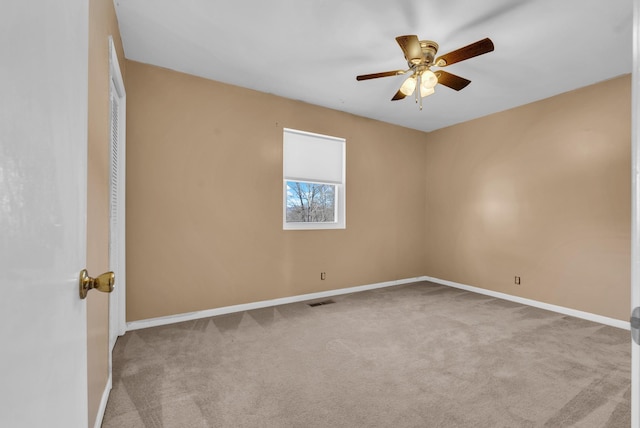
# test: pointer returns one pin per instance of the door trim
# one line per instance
(117, 299)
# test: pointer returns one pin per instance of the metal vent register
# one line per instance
(324, 302)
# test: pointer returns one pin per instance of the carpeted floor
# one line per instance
(418, 355)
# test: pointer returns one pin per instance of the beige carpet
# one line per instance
(419, 355)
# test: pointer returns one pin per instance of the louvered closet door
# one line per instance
(114, 226)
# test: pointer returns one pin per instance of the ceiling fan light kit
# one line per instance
(421, 56)
(426, 91)
(429, 79)
(409, 85)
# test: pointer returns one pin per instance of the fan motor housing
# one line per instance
(429, 50)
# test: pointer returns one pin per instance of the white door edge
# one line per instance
(635, 211)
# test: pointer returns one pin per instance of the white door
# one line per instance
(43, 162)
(635, 219)
(117, 119)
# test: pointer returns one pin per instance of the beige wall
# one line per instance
(542, 192)
(204, 198)
(102, 23)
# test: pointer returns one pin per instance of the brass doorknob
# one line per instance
(102, 283)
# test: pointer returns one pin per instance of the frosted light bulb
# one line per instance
(429, 79)
(409, 85)
(425, 92)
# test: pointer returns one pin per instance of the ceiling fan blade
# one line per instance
(376, 75)
(398, 96)
(451, 80)
(474, 49)
(410, 45)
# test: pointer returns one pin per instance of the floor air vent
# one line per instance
(324, 302)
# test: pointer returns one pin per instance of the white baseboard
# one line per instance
(554, 308)
(154, 322)
(103, 402)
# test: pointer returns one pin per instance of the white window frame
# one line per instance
(337, 179)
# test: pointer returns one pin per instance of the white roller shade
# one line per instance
(313, 157)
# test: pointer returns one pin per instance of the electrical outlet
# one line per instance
(323, 275)
(517, 280)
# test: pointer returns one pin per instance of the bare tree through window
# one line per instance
(310, 202)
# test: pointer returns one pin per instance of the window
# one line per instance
(314, 181)
(310, 202)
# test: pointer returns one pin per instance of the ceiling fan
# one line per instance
(421, 56)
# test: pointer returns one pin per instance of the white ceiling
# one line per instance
(312, 50)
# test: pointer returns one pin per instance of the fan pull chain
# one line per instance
(418, 90)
